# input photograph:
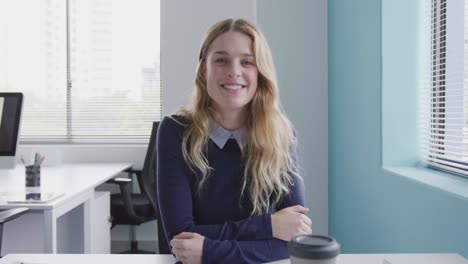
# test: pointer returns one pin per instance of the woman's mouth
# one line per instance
(233, 87)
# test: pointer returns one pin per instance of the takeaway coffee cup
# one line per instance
(313, 249)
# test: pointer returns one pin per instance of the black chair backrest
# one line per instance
(147, 181)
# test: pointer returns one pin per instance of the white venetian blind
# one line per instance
(445, 108)
(89, 69)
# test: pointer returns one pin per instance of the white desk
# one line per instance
(168, 259)
(77, 182)
(87, 258)
(394, 259)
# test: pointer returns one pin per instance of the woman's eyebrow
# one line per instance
(247, 55)
(222, 52)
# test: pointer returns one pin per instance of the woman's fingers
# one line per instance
(306, 229)
(291, 221)
(299, 209)
(306, 220)
(184, 235)
(177, 243)
(187, 247)
(179, 254)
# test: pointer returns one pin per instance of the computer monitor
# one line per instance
(10, 119)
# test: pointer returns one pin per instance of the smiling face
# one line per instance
(230, 72)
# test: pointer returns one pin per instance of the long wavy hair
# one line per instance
(269, 164)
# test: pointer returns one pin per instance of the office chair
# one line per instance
(8, 215)
(128, 208)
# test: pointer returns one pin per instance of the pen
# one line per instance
(22, 160)
(36, 159)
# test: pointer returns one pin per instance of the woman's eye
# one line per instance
(220, 60)
(247, 62)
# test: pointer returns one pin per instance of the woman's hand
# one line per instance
(188, 247)
(290, 221)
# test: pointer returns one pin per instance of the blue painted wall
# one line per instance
(372, 210)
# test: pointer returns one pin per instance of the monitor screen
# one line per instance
(10, 117)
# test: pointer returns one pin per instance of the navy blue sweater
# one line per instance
(217, 212)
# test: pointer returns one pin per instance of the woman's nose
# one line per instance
(234, 70)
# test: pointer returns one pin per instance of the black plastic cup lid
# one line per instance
(313, 247)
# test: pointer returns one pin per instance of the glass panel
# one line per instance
(115, 68)
(33, 61)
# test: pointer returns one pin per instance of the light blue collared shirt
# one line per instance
(220, 135)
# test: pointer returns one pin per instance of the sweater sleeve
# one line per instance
(175, 195)
(254, 251)
(296, 194)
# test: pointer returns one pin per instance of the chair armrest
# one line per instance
(130, 171)
(11, 214)
(120, 180)
(125, 185)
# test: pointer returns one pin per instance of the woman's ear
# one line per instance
(203, 70)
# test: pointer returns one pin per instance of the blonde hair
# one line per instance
(269, 163)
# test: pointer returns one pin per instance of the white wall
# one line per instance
(183, 24)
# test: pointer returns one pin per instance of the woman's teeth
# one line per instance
(232, 87)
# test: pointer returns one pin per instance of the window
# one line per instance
(445, 132)
(89, 69)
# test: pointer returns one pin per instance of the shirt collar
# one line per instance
(220, 135)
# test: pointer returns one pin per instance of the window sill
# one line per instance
(457, 185)
(58, 154)
(81, 145)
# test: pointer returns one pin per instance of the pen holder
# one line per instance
(33, 176)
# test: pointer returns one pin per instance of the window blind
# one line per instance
(445, 109)
(90, 70)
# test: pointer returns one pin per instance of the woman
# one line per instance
(228, 183)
